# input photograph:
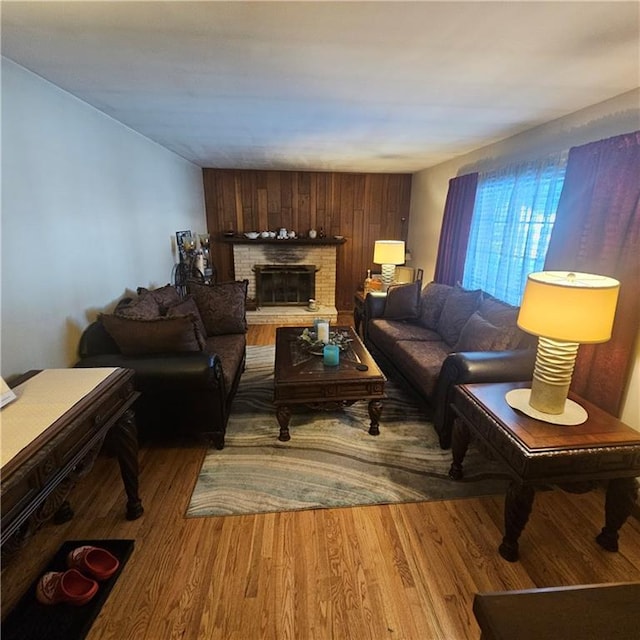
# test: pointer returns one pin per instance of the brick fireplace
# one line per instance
(323, 257)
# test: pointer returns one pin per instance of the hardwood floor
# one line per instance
(397, 571)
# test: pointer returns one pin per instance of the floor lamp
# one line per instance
(564, 310)
(388, 253)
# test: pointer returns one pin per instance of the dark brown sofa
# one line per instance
(188, 355)
(440, 336)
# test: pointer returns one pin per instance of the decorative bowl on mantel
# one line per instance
(252, 235)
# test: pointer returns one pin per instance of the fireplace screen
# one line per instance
(282, 285)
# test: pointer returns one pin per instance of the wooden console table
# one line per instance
(539, 453)
(39, 469)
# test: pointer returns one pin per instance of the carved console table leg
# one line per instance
(517, 507)
(621, 496)
(459, 445)
(283, 413)
(124, 439)
(375, 409)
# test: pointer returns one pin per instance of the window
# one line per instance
(513, 216)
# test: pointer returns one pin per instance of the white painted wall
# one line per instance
(89, 211)
(429, 187)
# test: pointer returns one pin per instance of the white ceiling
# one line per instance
(336, 86)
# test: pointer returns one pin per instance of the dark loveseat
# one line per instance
(440, 336)
(187, 353)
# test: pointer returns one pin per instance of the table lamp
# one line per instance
(388, 253)
(564, 310)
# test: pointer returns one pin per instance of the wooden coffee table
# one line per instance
(301, 378)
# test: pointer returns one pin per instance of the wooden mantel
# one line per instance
(283, 242)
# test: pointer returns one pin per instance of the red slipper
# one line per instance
(93, 561)
(65, 586)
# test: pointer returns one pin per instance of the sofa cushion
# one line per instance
(144, 307)
(403, 301)
(188, 307)
(165, 296)
(222, 306)
(135, 336)
(502, 314)
(479, 334)
(421, 363)
(497, 312)
(386, 333)
(458, 307)
(432, 300)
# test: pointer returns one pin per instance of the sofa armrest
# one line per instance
(374, 304)
(476, 366)
(95, 340)
(165, 372)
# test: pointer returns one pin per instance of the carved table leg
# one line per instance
(283, 413)
(124, 439)
(375, 409)
(621, 496)
(517, 507)
(459, 445)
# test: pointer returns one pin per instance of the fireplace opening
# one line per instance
(284, 285)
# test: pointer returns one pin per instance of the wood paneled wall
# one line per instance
(362, 207)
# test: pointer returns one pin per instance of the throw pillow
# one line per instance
(479, 334)
(498, 312)
(144, 307)
(165, 296)
(403, 301)
(136, 336)
(222, 306)
(504, 315)
(188, 307)
(432, 300)
(458, 307)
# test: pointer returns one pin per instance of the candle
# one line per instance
(323, 331)
(331, 355)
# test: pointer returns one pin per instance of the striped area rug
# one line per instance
(331, 460)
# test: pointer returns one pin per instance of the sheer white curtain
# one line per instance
(513, 216)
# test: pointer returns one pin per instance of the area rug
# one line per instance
(331, 460)
(30, 620)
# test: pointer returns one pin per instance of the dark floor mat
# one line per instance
(30, 620)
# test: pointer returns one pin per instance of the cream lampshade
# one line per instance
(564, 310)
(388, 253)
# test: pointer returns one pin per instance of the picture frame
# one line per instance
(404, 275)
(180, 236)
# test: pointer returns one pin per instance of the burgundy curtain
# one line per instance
(597, 230)
(456, 223)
